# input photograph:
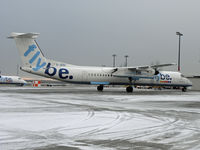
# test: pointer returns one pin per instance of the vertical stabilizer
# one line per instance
(30, 53)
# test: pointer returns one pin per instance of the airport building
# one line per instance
(195, 82)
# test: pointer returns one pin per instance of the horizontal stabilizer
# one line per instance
(23, 35)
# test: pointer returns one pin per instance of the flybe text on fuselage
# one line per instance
(63, 73)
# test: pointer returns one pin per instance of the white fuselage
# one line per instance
(105, 76)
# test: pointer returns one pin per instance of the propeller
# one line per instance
(156, 69)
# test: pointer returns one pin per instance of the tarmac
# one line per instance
(80, 118)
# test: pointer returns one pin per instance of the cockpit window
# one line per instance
(19, 78)
(182, 75)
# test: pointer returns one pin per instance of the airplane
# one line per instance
(12, 80)
(34, 62)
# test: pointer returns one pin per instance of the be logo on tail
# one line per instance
(30, 50)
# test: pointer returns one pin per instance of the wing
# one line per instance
(150, 66)
(163, 65)
(138, 72)
(134, 73)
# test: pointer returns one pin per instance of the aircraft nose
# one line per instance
(188, 82)
(23, 81)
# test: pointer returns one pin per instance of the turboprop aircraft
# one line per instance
(34, 62)
(11, 80)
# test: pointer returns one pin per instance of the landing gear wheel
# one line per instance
(184, 89)
(129, 89)
(100, 88)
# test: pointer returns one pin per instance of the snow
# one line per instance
(82, 118)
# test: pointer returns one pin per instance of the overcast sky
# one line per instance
(88, 32)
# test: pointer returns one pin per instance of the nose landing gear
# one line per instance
(184, 89)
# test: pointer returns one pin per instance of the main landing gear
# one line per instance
(100, 88)
(129, 89)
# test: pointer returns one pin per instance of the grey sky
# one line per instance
(88, 32)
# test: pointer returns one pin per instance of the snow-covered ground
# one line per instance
(81, 118)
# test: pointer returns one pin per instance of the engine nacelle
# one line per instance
(148, 72)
